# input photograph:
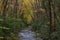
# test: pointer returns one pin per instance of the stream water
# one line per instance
(27, 35)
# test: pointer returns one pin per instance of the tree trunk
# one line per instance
(52, 17)
(15, 8)
(4, 18)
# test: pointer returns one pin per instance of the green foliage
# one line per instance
(13, 25)
(40, 20)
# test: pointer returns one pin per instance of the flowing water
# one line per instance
(27, 35)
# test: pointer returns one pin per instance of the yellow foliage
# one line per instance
(4, 28)
(27, 10)
(27, 14)
(28, 2)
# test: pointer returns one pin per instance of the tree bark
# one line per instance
(15, 8)
(4, 18)
(51, 18)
